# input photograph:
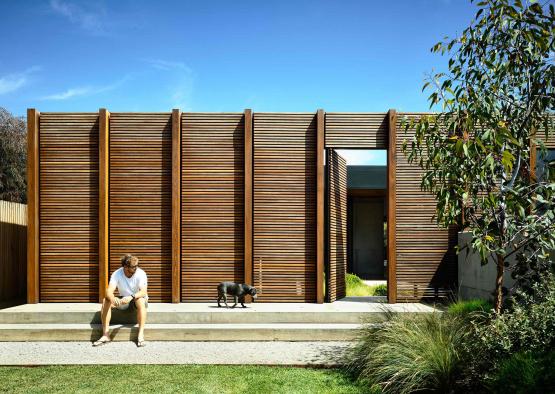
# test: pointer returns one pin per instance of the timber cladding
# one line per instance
(356, 130)
(68, 207)
(550, 141)
(426, 261)
(337, 217)
(212, 203)
(194, 194)
(284, 246)
(140, 204)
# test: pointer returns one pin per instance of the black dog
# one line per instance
(237, 290)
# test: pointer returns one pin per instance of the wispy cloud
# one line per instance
(12, 82)
(167, 65)
(92, 22)
(182, 81)
(86, 90)
(69, 94)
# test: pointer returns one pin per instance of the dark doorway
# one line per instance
(367, 237)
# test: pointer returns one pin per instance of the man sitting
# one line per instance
(131, 283)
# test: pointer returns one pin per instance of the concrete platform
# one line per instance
(338, 321)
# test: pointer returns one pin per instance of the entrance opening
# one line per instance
(365, 229)
(366, 221)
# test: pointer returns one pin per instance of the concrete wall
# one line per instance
(477, 280)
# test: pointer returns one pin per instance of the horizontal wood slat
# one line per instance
(356, 130)
(212, 203)
(285, 207)
(337, 222)
(140, 192)
(68, 213)
(426, 261)
(549, 141)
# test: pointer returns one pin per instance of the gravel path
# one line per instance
(244, 353)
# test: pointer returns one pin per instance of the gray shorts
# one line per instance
(131, 306)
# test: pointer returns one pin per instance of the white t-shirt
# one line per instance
(128, 286)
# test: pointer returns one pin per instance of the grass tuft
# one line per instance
(465, 307)
(410, 353)
(526, 373)
(357, 288)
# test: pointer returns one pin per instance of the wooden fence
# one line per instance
(13, 251)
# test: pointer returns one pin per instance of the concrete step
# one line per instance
(340, 312)
(181, 332)
(234, 317)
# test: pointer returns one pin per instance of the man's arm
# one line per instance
(141, 293)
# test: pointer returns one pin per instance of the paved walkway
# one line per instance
(243, 353)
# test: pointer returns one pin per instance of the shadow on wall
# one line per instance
(13, 263)
(477, 280)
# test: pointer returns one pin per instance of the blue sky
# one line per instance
(283, 56)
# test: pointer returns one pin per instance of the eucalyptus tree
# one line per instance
(13, 157)
(495, 105)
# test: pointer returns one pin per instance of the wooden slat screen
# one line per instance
(284, 246)
(550, 141)
(13, 244)
(140, 196)
(68, 207)
(356, 130)
(337, 225)
(212, 203)
(426, 261)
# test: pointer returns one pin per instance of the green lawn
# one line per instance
(357, 288)
(174, 378)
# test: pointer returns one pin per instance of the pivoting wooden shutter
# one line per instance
(68, 179)
(337, 226)
(212, 203)
(140, 196)
(284, 246)
(426, 260)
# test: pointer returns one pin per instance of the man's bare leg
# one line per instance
(141, 318)
(105, 316)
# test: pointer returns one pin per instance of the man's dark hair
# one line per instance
(128, 259)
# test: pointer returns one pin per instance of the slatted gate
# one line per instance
(284, 246)
(336, 218)
(140, 196)
(68, 207)
(212, 203)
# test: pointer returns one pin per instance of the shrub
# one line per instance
(525, 372)
(380, 290)
(528, 324)
(353, 280)
(410, 353)
(466, 307)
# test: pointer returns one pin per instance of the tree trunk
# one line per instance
(499, 283)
